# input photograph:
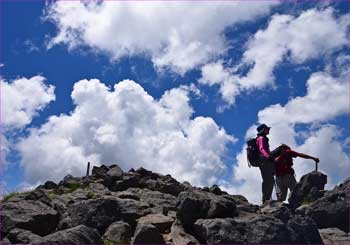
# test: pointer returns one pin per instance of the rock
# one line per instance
(38, 195)
(129, 180)
(50, 185)
(277, 210)
(193, 205)
(332, 210)
(162, 222)
(179, 236)
(31, 215)
(99, 213)
(242, 203)
(147, 234)
(216, 190)
(113, 174)
(76, 235)
(99, 172)
(5, 241)
(22, 236)
(334, 236)
(118, 233)
(304, 230)
(306, 189)
(261, 229)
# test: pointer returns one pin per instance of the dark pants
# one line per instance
(267, 170)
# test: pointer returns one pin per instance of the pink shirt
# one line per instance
(263, 146)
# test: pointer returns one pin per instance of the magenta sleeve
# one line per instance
(263, 147)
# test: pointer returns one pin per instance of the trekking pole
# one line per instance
(316, 166)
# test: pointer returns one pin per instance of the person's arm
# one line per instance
(302, 155)
(263, 147)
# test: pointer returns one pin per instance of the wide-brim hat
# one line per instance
(261, 128)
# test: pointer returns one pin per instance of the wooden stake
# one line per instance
(88, 169)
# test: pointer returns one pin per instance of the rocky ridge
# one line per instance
(142, 207)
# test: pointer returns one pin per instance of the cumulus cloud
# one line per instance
(326, 98)
(127, 126)
(313, 34)
(21, 100)
(175, 35)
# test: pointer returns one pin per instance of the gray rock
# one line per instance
(147, 234)
(242, 203)
(334, 236)
(277, 210)
(99, 213)
(5, 241)
(31, 215)
(129, 180)
(113, 174)
(162, 222)
(99, 172)
(307, 188)
(332, 210)
(50, 185)
(179, 236)
(304, 230)
(193, 205)
(118, 233)
(39, 195)
(76, 235)
(22, 236)
(261, 229)
(216, 190)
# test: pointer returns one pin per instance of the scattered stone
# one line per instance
(118, 233)
(38, 195)
(179, 236)
(162, 222)
(147, 234)
(334, 236)
(277, 210)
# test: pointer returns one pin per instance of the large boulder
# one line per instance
(118, 233)
(332, 210)
(276, 209)
(108, 174)
(147, 234)
(179, 236)
(261, 229)
(308, 189)
(194, 204)
(30, 215)
(334, 236)
(76, 235)
(162, 222)
(304, 230)
(99, 213)
(17, 236)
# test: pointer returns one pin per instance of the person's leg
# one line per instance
(267, 171)
(291, 182)
(281, 188)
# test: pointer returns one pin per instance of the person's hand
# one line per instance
(316, 160)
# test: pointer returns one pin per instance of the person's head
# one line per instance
(263, 129)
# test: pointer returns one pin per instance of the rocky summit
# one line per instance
(142, 207)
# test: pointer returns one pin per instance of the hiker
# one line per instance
(266, 159)
(285, 173)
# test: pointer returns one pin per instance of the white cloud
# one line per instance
(176, 35)
(22, 99)
(326, 98)
(128, 127)
(313, 34)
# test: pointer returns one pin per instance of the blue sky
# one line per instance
(198, 85)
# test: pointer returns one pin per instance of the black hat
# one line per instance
(261, 128)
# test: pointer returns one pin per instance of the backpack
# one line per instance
(253, 153)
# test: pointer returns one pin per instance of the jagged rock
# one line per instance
(99, 189)
(22, 236)
(193, 205)
(38, 195)
(162, 222)
(334, 236)
(179, 236)
(128, 195)
(304, 230)
(332, 210)
(70, 182)
(49, 185)
(242, 203)
(128, 180)
(99, 172)
(31, 215)
(118, 233)
(216, 190)
(277, 210)
(99, 213)
(306, 190)
(147, 234)
(76, 235)
(261, 229)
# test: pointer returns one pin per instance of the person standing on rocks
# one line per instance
(285, 173)
(267, 166)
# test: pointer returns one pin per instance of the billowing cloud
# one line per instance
(175, 35)
(21, 100)
(313, 34)
(326, 98)
(128, 127)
